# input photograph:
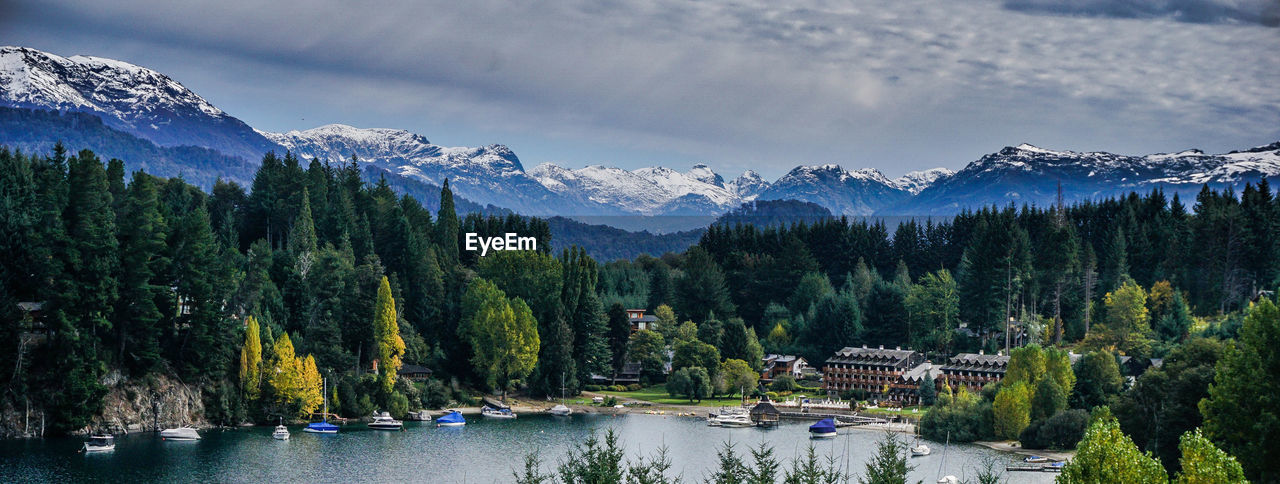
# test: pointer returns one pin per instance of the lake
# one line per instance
(483, 451)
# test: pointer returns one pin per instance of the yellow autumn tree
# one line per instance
(251, 360)
(311, 395)
(502, 333)
(386, 336)
(286, 371)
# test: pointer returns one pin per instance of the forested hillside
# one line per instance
(254, 294)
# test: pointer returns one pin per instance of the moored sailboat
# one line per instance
(323, 426)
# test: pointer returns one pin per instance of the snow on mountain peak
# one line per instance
(704, 174)
(917, 181)
(127, 92)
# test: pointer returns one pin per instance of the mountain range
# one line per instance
(152, 121)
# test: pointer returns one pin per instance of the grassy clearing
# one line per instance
(658, 394)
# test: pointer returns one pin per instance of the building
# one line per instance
(877, 371)
(778, 365)
(639, 320)
(973, 370)
(764, 414)
(907, 391)
(414, 372)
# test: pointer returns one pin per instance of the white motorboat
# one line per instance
(920, 450)
(491, 412)
(281, 433)
(385, 422)
(736, 421)
(180, 433)
(100, 443)
(1035, 459)
(727, 414)
(949, 480)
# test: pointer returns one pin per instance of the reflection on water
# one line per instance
(483, 451)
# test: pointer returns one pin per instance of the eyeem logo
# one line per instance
(510, 241)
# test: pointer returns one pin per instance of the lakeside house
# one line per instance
(973, 370)
(778, 365)
(764, 414)
(878, 371)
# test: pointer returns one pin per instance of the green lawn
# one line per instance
(658, 394)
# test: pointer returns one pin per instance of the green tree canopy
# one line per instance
(1107, 455)
(1243, 409)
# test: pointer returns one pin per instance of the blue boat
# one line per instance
(451, 419)
(321, 428)
(825, 428)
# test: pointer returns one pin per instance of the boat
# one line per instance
(1035, 459)
(419, 416)
(323, 426)
(731, 414)
(491, 412)
(100, 443)
(560, 410)
(920, 450)
(180, 433)
(824, 429)
(451, 419)
(384, 421)
(1053, 467)
(281, 433)
(736, 421)
(947, 479)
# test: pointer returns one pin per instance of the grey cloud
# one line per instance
(1265, 12)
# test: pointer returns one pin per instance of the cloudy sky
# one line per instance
(896, 85)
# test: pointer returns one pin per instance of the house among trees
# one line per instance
(877, 371)
(974, 370)
(778, 365)
(639, 320)
(415, 372)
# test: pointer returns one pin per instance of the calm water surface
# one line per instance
(483, 451)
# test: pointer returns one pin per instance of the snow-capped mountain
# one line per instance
(127, 97)
(916, 181)
(487, 175)
(748, 185)
(166, 128)
(646, 191)
(1028, 174)
(859, 192)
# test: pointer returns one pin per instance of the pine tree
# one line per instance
(94, 249)
(386, 337)
(143, 260)
(619, 333)
(447, 225)
(702, 289)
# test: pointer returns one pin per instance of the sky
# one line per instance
(896, 85)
